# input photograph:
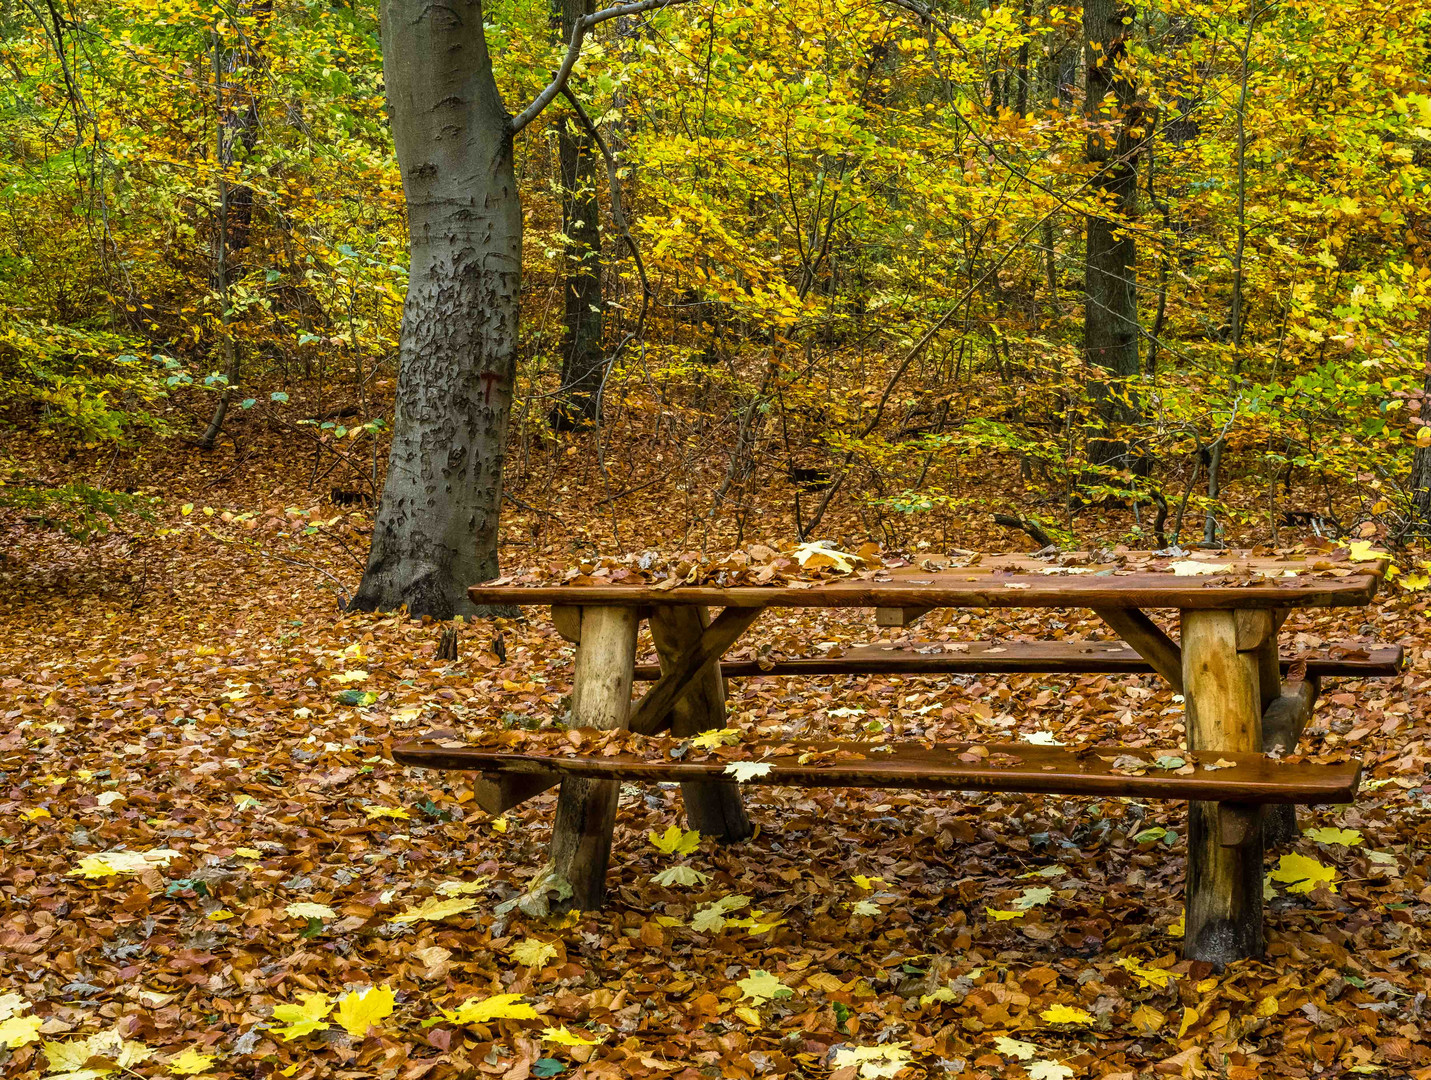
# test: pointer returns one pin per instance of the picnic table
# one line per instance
(1243, 720)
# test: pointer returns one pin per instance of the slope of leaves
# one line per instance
(211, 867)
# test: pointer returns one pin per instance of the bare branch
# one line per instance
(573, 52)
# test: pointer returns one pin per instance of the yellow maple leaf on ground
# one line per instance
(485, 1010)
(562, 1037)
(362, 1009)
(109, 1050)
(18, 1031)
(434, 910)
(1345, 837)
(530, 952)
(114, 863)
(1302, 873)
(874, 1062)
(675, 842)
(1362, 551)
(190, 1063)
(303, 1018)
(1066, 1014)
(1146, 976)
(397, 813)
(1003, 916)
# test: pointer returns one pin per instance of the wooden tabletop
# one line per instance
(1138, 579)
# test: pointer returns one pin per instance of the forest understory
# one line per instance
(189, 687)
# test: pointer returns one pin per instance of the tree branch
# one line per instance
(573, 52)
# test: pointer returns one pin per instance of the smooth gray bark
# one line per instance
(436, 527)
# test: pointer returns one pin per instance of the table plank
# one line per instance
(1007, 581)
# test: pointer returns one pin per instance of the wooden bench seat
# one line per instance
(1019, 767)
(1051, 657)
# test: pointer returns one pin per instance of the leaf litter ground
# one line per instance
(210, 866)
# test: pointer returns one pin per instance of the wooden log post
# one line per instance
(600, 698)
(1224, 713)
(1283, 721)
(713, 808)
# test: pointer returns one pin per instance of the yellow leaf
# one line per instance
(1065, 1014)
(1177, 929)
(562, 1037)
(1267, 1007)
(716, 738)
(1190, 1017)
(1147, 1019)
(35, 813)
(1362, 551)
(675, 842)
(867, 883)
(112, 1048)
(18, 1031)
(191, 1063)
(305, 909)
(1193, 567)
(761, 986)
(356, 675)
(1302, 874)
(1015, 1048)
(1345, 837)
(112, 863)
(362, 1009)
(435, 910)
(1146, 976)
(819, 554)
(248, 853)
(186, 509)
(220, 914)
(395, 812)
(499, 824)
(747, 1015)
(303, 1018)
(529, 952)
(485, 1010)
(1004, 916)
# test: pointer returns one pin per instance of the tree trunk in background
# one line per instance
(1421, 463)
(237, 126)
(436, 527)
(1110, 312)
(582, 356)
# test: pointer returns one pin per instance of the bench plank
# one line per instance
(1039, 657)
(1251, 778)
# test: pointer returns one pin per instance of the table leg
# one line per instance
(714, 808)
(1223, 713)
(600, 698)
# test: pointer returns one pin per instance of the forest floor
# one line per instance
(193, 691)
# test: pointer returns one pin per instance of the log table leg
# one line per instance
(713, 808)
(1224, 713)
(600, 698)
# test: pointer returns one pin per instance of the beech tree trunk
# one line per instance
(1421, 462)
(437, 520)
(583, 363)
(1110, 310)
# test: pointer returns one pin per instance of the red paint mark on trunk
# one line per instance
(489, 379)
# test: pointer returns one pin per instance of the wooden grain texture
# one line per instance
(1148, 640)
(682, 671)
(601, 698)
(1000, 581)
(1252, 778)
(713, 807)
(1224, 714)
(1055, 657)
(1283, 721)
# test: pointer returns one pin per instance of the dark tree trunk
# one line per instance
(1421, 463)
(582, 356)
(1110, 312)
(436, 527)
